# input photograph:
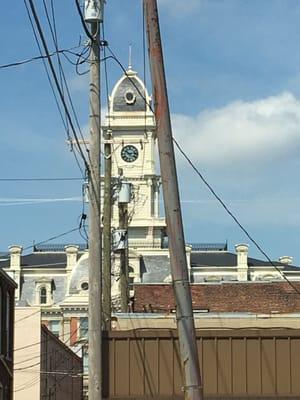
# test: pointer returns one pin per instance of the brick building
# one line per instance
(223, 297)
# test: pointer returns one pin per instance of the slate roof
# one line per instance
(40, 260)
(227, 259)
(119, 103)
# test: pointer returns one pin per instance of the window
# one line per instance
(43, 295)
(85, 356)
(84, 327)
(131, 282)
(54, 327)
(44, 287)
(84, 286)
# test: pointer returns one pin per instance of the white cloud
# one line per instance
(180, 7)
(242, 132)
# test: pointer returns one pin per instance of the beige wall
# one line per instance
(208, 321)
(27, 353)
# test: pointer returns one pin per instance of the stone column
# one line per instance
(242, 261)
(15, 267)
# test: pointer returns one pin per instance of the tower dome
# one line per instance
(80, 275)
(129, 94)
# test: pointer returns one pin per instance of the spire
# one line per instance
(129, 61)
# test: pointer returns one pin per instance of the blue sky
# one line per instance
(233, 72)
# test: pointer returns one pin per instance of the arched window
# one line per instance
(43, 295)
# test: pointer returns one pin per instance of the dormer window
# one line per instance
(44, 288)
(43, 295)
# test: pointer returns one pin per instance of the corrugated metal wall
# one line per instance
(234, 364)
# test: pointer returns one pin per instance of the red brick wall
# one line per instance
(74, 330)
(253, 297)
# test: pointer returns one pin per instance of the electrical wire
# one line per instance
(82, 59)
(51, 83)
(36, 380)
(61, 71)
(233, 216)
(87, 32)
(46, 241)
(43, 40)
(54, 36)
(28, 60)
(218, 198)
(39, 179)
(44, 43)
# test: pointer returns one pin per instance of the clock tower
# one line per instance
(132, 128)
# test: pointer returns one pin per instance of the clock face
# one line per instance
(129, 153)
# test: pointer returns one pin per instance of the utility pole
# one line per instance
(94, 16)
(124, 199)
(180, 279)
(107, 206)
(123, 225)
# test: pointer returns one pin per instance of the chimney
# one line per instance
(242, 261)
(286, 260)
(15, 267)
(15, 256)
(71, 252)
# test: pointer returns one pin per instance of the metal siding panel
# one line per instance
(112, 375)
(177, 378)
(166, 362)
(295, 365)
(283, 370)
(268, 366)
(137, 371)
(122, 368)
(224, 366)
(209, 373)
(105, 367)
(151, 367)
(239, 366)
(253, 366)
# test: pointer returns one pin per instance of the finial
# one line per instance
(129, 62)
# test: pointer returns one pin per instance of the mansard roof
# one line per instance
(129, 85)
(40, 260)
(227, 259)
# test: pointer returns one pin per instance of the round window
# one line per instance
(129, 97)
(84, 286)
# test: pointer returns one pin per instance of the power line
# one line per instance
(232, 215)
(218, 198)
(61, 71)
(51, 84)
(40, 31)
(36, 380)
(39, 179)
(52, 238)
(87, 32)
(28, 60)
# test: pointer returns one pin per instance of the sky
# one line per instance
(233, 75)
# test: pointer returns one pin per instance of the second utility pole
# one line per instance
(95, 236)
(107, 206)
(180, 278)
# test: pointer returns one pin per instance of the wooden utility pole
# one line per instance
(124, 278)
(95, 236)
(184, 313)
(107, 206)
